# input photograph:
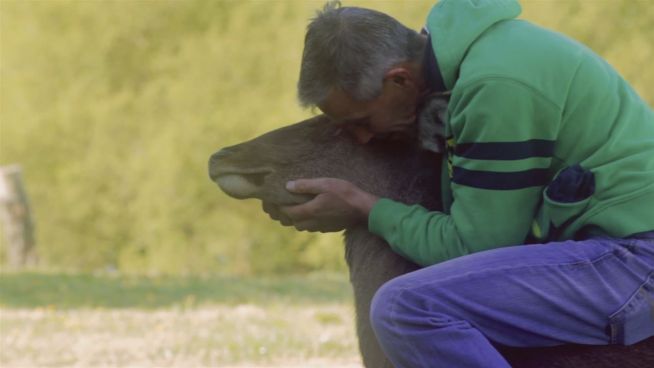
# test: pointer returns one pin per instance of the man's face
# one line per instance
(391, 115)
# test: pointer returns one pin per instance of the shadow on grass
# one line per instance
(64, 291)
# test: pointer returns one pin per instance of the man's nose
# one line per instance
(361, 134)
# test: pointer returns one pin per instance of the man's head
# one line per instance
(362, 68)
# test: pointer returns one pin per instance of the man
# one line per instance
(546, 144)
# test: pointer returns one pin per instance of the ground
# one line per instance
(280, 322)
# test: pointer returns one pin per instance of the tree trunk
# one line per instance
(16, 218)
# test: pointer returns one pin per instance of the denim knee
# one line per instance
(400, 303)
(384, 305)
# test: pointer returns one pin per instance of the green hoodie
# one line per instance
(526, 103)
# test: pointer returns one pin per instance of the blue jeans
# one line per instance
(597, 291)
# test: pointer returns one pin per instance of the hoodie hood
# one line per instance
(454, 25)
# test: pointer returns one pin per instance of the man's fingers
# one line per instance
(276, 214)
(269, 209)
(309, 225)
(302, 226)
(315, 226)
(300, 212)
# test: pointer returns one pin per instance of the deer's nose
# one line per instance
(233, 161)
(224, 152)
(215, 159)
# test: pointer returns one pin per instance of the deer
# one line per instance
(409, 173)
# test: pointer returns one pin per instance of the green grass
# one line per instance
(69, 291)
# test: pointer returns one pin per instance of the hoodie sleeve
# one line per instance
(504, 134)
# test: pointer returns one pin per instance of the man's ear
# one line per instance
(400, 77)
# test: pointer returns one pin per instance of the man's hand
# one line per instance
(338, 204)
(276, 214)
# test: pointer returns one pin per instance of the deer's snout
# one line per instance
(216, 161)
(236, 175)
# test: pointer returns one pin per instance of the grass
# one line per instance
(65, 291)
(84, 320)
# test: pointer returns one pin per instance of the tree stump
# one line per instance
(18, 226)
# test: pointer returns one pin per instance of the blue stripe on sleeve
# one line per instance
(500, 180)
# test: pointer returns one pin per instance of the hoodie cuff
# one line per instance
(382, 219)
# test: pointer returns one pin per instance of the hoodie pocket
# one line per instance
(634, 320)
(564, 200)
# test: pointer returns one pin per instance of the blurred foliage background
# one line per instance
(113, 108)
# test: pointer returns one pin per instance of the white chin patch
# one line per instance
(236, 186)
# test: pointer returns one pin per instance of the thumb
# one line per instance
(310, 186)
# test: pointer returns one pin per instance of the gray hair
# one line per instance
(352, 48)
